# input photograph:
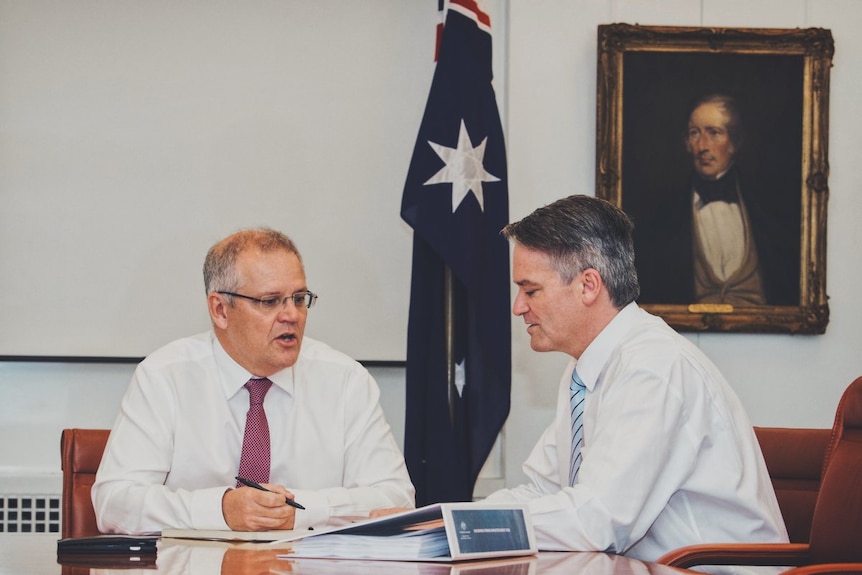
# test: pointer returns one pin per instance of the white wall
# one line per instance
(548, 95)
(140, 132)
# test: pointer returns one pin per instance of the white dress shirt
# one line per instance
(721, 230)
(669, 456)
(175, 446)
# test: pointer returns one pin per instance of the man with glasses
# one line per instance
(315, 442)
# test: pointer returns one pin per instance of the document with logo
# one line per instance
(440, 532)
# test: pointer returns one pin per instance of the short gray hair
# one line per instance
(220, 272)
(581, 232)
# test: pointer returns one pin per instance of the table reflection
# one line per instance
(570, 563)
(37, 555)
(177, 556)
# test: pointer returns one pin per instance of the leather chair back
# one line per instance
(836, 529)
(80, 454)
(795, 458)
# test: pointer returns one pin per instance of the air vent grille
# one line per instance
(29, 513)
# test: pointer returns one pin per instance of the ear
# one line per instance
(218, 310)
(593, 286)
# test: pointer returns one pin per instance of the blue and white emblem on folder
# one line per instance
(487, 530)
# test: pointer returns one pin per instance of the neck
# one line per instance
(598, 320)
(717, 177)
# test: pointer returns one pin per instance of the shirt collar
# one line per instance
(598, 353)
(234, 376)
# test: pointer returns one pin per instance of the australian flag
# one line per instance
(456, 201)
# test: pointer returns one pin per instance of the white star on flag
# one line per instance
(464, 169)
(461, 376)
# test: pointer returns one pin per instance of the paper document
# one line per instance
(226, 535)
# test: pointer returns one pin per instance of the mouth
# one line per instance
(287, 337)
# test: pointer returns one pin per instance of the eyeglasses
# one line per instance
(299, 299)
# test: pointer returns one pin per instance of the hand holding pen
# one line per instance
(250, 483)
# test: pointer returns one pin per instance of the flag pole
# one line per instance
(449, 329)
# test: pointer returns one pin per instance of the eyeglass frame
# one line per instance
(269, 303)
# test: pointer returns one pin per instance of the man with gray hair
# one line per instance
(250, 426)
(650, 449)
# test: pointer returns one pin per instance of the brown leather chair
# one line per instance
(836, 528)
(794, 458)
(80, 454)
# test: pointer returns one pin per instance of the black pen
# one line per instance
(250, 483)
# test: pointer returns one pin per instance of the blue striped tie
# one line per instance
(576, 401)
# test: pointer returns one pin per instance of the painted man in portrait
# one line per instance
(717, 240)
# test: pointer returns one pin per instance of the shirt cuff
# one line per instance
(316, 512)
(206, 510)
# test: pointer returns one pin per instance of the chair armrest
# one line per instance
(825, 568)
(737, 554)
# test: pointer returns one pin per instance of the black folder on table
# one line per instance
(114, 551)
(109, 544)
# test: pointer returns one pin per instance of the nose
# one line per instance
(700, 143)
(289, 312)
(519, 306)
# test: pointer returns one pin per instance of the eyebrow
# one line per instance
(283, 293)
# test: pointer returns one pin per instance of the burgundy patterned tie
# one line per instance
(254, 461)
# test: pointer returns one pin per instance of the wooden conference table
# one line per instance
(36, 554)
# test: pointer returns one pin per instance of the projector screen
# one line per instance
(134, 135)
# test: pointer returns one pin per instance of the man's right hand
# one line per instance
(247, 509)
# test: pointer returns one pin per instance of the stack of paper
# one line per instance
(440, 532)
(422, 544)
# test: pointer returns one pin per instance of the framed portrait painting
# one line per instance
(714, 141)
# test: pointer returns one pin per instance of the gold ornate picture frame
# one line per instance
(650, 82)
